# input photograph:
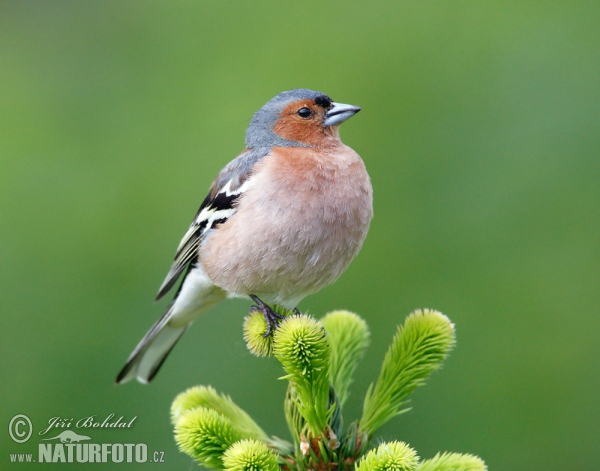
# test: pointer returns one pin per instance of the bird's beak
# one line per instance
(339, 113)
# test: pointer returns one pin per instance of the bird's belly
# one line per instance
(283, 259)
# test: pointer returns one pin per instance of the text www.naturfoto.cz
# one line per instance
(89, 453)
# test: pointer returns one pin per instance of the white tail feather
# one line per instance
(196, 295)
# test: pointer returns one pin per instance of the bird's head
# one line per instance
(297, 118)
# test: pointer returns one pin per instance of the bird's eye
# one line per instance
(304, 112)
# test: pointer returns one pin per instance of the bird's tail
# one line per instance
(149, 355)
(196, 295)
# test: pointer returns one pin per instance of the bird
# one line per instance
(281, 221)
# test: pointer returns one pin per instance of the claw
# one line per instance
(272, 318)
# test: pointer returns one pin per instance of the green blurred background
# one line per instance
(481, 132)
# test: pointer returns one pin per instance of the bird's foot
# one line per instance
(272, 318)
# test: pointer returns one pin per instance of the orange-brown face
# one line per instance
(303, 121)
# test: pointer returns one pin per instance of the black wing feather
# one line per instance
(188, 248)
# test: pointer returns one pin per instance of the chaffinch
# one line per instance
(281, 221)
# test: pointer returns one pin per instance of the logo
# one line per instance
(69, 446)
(20, 428)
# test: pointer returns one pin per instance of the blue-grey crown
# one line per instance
(260, 132)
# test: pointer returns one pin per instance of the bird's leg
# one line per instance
(272, 318)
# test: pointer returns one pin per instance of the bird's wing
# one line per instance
(217, 207)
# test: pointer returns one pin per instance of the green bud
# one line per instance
(206, 396)
(392, 456)
(205, 435)
(255, 328)
(348, 337)
(301, 347)
(418, 348)
(249, 455)
(453, 462)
